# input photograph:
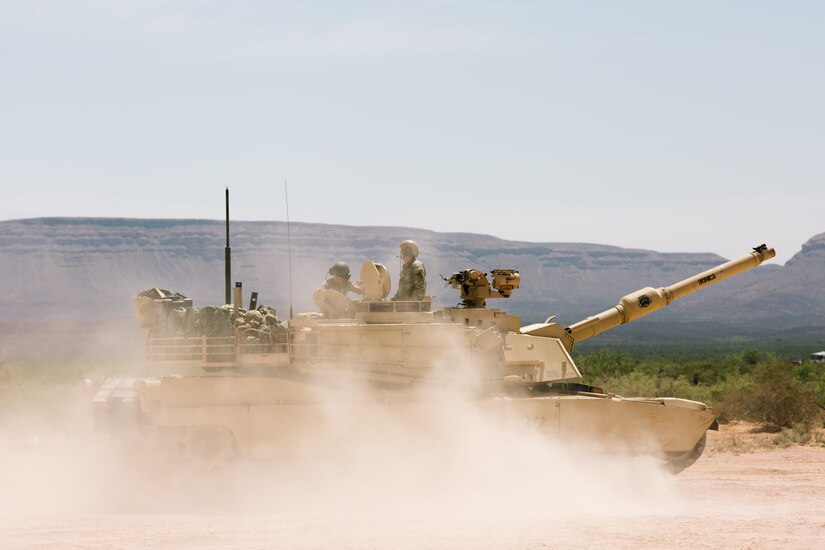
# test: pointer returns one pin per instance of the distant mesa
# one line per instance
(80, 269)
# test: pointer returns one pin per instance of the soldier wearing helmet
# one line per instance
(412, 284)
(339, 280)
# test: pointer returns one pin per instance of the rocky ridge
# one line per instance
(77, 269)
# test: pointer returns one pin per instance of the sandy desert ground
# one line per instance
(743, 493)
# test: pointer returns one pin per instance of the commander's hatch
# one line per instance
(375, 280)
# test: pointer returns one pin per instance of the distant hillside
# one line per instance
(77, 269)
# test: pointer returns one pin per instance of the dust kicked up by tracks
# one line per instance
(482, 486)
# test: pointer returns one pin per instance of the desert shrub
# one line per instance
(724, 396)
(632, 384)
(814, 376)
(642, 384)
(807, 372)
(774, 397)
(605, 363)
(800, 434)
(705, 372)
(751, 356)
(744, 362)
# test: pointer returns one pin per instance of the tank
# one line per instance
(246, 384)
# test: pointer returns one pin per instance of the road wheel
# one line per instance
(207, 447)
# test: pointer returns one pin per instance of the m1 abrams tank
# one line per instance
(249, 385)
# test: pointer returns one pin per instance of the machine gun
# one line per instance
(476, 287)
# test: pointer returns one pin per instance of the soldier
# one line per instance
(339, 280)
(412, 284)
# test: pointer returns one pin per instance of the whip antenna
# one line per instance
(288, 247)
(227, 256)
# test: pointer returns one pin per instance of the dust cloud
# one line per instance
(401, 464)
(448, 458)
(445, 474)
(460, 461)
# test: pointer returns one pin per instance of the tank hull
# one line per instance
(207, 421)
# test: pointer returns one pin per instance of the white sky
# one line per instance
(673, 126)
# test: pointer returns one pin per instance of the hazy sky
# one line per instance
(673, 126)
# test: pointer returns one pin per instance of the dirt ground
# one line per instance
(744, 492)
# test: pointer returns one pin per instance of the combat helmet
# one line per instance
(341, 269)
(409, 246)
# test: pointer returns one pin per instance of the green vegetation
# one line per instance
(751, 385)
(692, 347)
(47, 394)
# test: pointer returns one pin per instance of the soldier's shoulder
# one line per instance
(417, 265)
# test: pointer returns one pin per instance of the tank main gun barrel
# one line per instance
(647, 300)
